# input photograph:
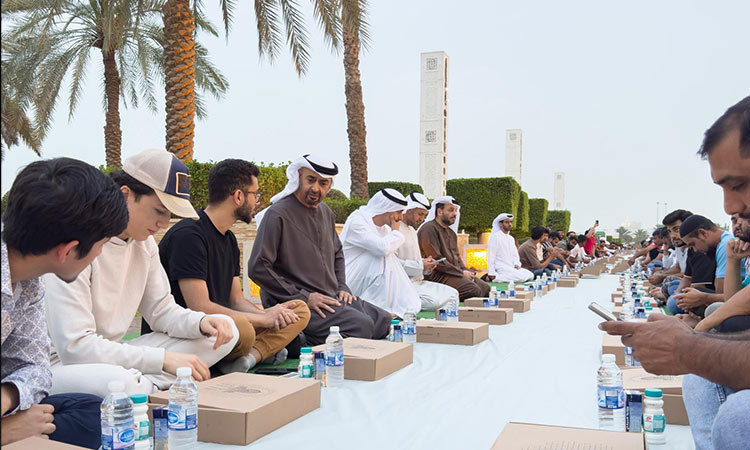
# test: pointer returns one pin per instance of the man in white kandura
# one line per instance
(503, 263)
(370, 239)
(433, 295)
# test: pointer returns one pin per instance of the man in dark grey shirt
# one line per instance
(298, 255)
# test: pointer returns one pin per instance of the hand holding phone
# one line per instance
(439, 260)
(601, 312)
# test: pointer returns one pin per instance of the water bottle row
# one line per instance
(125, 423)
(621, 410)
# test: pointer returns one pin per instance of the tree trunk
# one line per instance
(355, 115)
(179, 59)
(112, 131)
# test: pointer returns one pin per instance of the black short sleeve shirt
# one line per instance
(196, 249)
(701, 267)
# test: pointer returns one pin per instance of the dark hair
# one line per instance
(674, 216)
(574, 238)
(573, 232)
(229, 175)
(737, 117)
(537, 232)
(121, 178)
(694, 223)
(60, 200)
(582, 239)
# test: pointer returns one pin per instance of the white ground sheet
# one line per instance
(541, 369)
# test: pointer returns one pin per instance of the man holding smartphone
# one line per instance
(716, 387)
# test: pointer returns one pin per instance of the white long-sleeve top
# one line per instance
(88, 317)
(373, 271)
(409, 254)
(502, 253)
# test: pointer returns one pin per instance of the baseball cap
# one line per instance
(167, 176)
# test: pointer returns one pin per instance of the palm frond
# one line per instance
(227, 14)
(296, 35)
(269, 33)
(327, 14)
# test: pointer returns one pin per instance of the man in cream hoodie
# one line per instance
(89, 316)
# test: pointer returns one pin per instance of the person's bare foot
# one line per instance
(690, 319)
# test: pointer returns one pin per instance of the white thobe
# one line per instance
(503, 261)
(433, 295)
(373, 272)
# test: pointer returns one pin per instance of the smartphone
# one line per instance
(440, 260)
(274, 371)
(603, 313)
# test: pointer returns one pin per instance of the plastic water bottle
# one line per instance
(118, 425)
(512, 290)
(653, 417)
(183, 411)
(334, 358)
(538, 287)
(545, 280)
(452, 310)
(627, 315)
(409, 327)
(610, 395)
(494, 296)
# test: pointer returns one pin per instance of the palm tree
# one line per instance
(640, 235)
(354, 31)
(57, 40)
(624, 234)
(276, 21)
(15, 98)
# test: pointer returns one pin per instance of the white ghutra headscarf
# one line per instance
(322, 166)
(443, 200)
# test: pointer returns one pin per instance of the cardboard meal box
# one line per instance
(240, 408)
(525, 295)
(552, 285)
(566, 282)
(618, 301)
(636, 378)
(613, 344)
(36, 443)
(545, 290)
(591, 270)
(371, 360)
(492, 316)
(456, 333)
(616, 295)
(518, 305)
(528, 436)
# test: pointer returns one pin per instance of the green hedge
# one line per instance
(559, 219)
(343, 207)
(335, 194)
(482, 199)
(537, 212)
(521, 222)
(402, 186)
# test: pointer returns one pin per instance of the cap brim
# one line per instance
(177, 206)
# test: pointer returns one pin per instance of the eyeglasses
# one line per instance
(256, 194)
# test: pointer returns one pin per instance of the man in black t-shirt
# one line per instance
(700, 268)
(202, 260)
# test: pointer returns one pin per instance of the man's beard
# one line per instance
(244, 213)
(446, 221)
(310, 201)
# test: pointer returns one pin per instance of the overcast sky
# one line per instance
(616, 95)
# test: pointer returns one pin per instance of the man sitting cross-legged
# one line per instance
(298, 255)
(438, 240)
(89, 316)
(202, 261)
(503, 262)
(433, 295)
(370, 239)
(60, 213)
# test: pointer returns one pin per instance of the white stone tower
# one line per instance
(433, 123)
(559, 198)
(513, 154)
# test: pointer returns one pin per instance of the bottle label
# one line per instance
(121, 437)
(307, 371)
(653, 423)
(611, 397)
(335, 359)
(142, 430)
(182, 417)
(408, 328)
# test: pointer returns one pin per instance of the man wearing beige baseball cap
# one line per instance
(92, 314)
